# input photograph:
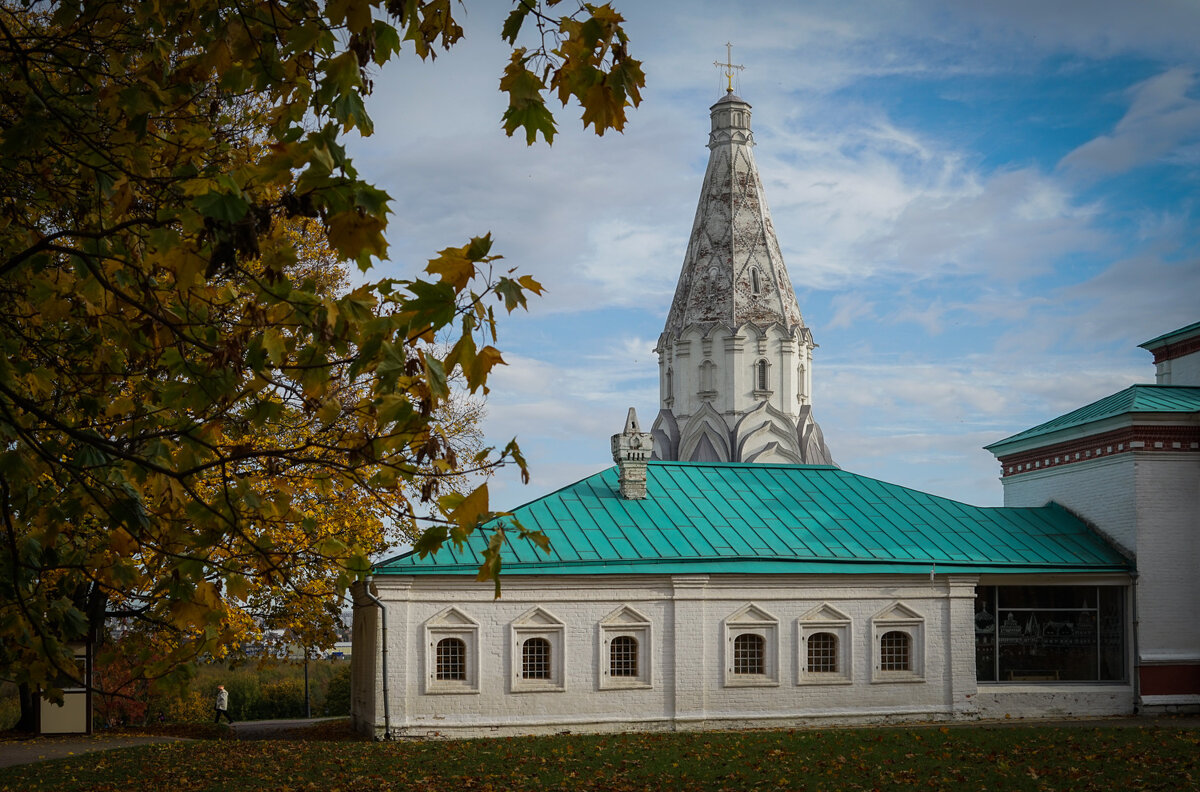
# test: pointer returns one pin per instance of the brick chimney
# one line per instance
(631, 451)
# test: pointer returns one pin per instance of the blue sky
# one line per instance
(984, 208)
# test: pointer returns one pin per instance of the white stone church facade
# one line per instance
(725, 573)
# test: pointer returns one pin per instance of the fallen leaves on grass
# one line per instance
(1026, 758)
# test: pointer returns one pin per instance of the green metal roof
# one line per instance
(1167, 338)
(1134, 399)
(756, 518)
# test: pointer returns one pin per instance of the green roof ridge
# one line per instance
(1134, 399)
(1167, 337)
(756, 518)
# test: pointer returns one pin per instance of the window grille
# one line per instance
(894, 652)
(451, 659)
(762, 374)
(749, 652)
(623, 656)
(822, 653)
(535, 659)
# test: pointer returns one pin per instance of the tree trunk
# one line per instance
(28, 721)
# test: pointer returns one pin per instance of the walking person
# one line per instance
(222, 705)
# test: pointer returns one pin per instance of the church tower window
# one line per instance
(755, 281)
(707, 377)
(762, 376)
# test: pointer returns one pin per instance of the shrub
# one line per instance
(337, 693)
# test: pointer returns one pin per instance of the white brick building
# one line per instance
(719, 591)
(748, 594)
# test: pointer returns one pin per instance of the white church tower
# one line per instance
(735, 359)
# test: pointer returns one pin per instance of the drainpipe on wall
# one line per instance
(1136, 671)
(387, 719)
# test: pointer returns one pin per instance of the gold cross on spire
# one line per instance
(729, 66)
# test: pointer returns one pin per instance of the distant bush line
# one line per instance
(264, 691)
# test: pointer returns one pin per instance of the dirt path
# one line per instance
(37, 749)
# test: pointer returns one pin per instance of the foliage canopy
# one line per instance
(192, 418)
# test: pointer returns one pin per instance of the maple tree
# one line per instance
(192, 421)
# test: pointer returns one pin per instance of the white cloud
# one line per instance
(915, 245)
(1161, 118)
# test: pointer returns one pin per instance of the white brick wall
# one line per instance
(1167, 489)
(688, 655)
(1150, 503)
(1099, 491)
(1183, 370)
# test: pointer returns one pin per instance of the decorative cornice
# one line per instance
(1178, 349)
(1126, 440)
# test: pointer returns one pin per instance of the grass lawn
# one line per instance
(960, 758)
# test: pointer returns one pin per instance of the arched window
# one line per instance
(670, 384)
(451, 656)
(535, 659)
(822, 653)
(706, 376)
(895, 651)
(623, 656)
(760, 375)
(755, 281)
(749, 654)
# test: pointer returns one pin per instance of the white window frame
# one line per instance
(625, 621)
(451, 623)
(537, 622)
(761, 376)
(753, 620)
(898, 617)
(825, 619)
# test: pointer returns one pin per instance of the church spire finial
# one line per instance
(728, 67)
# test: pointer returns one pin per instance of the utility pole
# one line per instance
(307, 700)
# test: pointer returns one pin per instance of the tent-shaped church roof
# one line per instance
(760, 518)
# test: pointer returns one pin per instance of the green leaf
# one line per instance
(490, 568)
(387, 42)
(273, 345)
(350, 111)
(435, 375)
(342, 73)
(514, 21)
(221, 206)
(481, 365)
(511, 292)
(431, 540)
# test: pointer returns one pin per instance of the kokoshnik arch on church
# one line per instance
(726, 573)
